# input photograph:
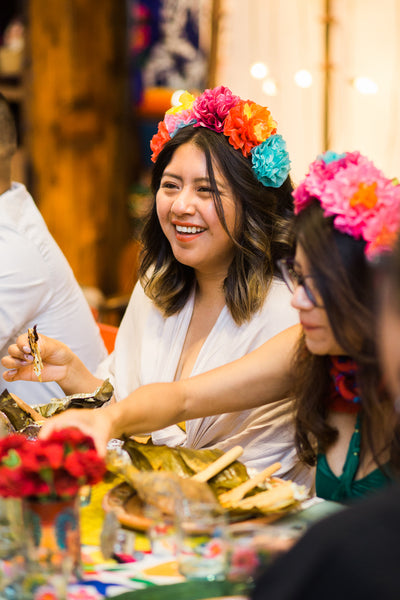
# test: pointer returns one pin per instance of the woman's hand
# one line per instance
(93, 422)
(60, 364)
(55, 355)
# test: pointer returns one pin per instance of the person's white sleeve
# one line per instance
(23, 287)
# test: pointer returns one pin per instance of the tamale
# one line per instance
(95, 400)
(18, 413)
(185, 462)
(148, 457)
(33, 340)
(168, 490)
(228, 478)
(5, 425)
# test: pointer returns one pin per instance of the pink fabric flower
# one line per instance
(174, 121)
(364, 203)
(212, 107)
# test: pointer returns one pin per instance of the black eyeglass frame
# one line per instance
(294, 279)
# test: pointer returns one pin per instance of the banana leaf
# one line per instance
(148, 457)
(28, 419)
(185, 462)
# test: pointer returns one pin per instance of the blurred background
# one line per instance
(88, 81)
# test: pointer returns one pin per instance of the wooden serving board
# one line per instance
(128, 507)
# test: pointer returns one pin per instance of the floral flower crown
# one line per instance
(365, 204)
(248, 126)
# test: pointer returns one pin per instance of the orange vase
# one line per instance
(54, 545)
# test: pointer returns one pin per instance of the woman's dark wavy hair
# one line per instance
(344, 280)
(261, 235)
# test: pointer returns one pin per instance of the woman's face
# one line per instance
(318, 333)
(187, 214)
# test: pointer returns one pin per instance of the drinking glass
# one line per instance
(204, 543)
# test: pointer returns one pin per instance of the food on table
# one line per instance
(229, 498)
(33, 339)
(218, 465)
(19, 414)
(185, 462)
(28, 419)
(5, 426)
(163, 476)
(167, 490)
(279, 495)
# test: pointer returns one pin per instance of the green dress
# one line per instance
(345, 488)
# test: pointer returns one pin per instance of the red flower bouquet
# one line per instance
(51, 469)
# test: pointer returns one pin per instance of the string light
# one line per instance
(175, 97)
(269, 87)
(365, 85)
(303, 78)
(259, 70)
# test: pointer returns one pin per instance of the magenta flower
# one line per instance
(212, 107)
(364, 203)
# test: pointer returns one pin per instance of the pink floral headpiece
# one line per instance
(248, 126)
(364, 203)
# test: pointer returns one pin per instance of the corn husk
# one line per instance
(185, 462)
(94, 400)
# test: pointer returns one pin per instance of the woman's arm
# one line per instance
(258, 378)
(60, 364)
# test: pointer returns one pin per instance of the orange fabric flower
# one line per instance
(159, 139)
(247, 125)
(365, 195)
(385, 240)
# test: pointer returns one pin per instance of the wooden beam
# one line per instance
(214, 41)
(328, 21)
(78, 130)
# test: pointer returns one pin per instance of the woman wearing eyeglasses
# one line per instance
(347, 213)
(345, 423)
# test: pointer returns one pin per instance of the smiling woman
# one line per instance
(188, 217)
(218, 224)
(209, 290)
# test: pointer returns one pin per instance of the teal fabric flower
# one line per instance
(270, 160)
(330, 156)
(180, 123)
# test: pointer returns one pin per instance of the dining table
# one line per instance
(130, 571)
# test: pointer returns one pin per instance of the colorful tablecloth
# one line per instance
(147, 577)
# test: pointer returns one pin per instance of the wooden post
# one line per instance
(216, 12)
(327, 21)
(77, 130)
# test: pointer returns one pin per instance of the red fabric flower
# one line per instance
(158, 140)
(88, 465)
(48, 469)
(65, 484)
